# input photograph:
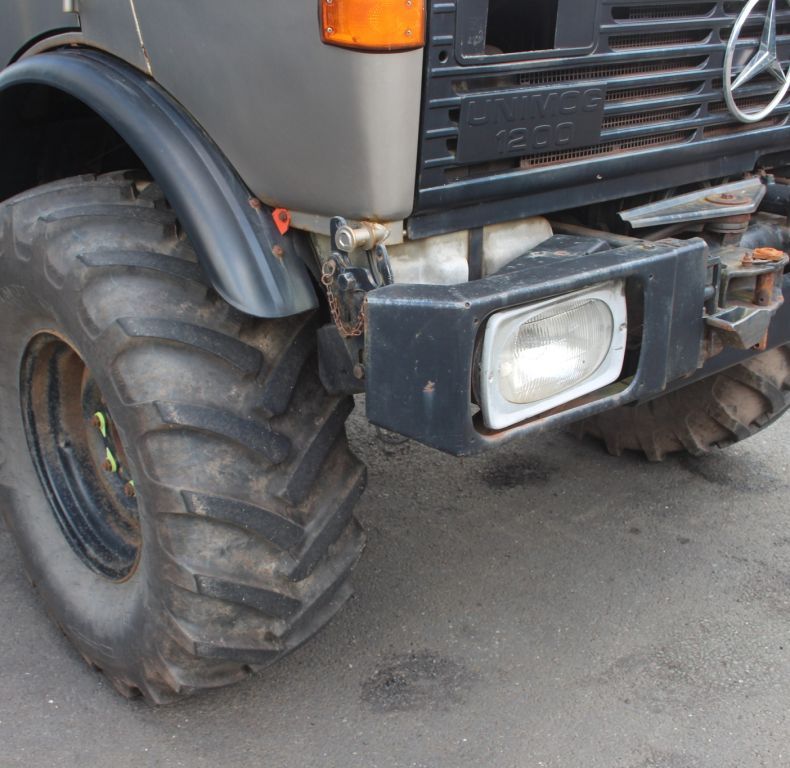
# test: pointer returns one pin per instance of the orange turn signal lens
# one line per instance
(374, 25)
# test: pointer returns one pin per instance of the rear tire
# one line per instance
(243, 480)
(715, 412)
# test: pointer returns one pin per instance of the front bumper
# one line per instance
(421, 341)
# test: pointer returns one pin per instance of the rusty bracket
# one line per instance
(750, 293)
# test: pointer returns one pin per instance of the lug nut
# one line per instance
(110, 464)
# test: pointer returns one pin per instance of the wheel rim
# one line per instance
(79, 458)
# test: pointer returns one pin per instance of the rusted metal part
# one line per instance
(764, 289)
(347, 329)
(731, 228)
(749, 295)
(729, 198)
(765, 286)
(768, 254)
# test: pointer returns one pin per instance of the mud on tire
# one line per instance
(244, 481)
(712, 413)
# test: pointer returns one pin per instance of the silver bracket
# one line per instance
(741, 197)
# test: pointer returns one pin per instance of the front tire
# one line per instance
(715, 412)
(231, 456)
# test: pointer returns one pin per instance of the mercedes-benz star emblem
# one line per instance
(765, 60)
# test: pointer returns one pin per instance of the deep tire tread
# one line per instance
(212, 626)
(279, 530)
(181, 269)
(248, 434)
(716, 412)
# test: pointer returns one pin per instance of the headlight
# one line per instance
(541, 356)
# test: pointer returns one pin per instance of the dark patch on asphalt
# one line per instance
(740, 473)
(768, 586)
(417, 681)
(663, 759)
(513, 472)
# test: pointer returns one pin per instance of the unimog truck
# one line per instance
(221, 221)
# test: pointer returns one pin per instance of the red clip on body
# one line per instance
(282, 219)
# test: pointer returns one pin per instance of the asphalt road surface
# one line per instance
(544, 605)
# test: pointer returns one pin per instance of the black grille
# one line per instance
(660, 66)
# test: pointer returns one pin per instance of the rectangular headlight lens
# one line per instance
(536, 358)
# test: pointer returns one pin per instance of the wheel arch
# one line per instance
(58, 108)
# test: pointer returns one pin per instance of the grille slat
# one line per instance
(649, 118)
(607, 148)
(645, 94)
(629, 13)
(642, 40)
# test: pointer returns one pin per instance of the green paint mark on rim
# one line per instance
(102, 419)
(111, 459)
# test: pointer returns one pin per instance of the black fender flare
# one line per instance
(249, 263)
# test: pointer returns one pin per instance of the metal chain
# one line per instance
(346, 330)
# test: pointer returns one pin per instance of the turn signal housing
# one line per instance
(374, 25)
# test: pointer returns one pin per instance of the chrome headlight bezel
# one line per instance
(499, 412)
